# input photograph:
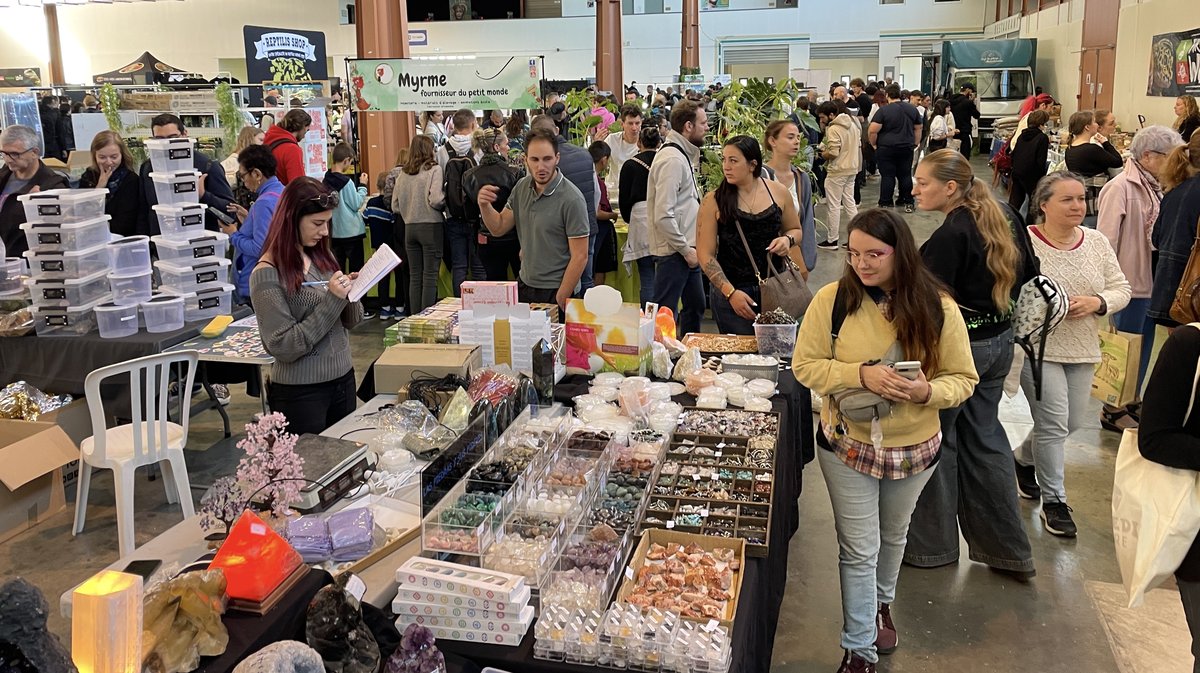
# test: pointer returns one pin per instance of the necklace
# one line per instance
(1060, 243)
(753, 197)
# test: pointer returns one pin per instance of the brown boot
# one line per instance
(853, 663)
(886, 637)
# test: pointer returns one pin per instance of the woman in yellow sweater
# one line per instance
(892, 310)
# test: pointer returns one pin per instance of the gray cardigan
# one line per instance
(306, 330)
(419, 198)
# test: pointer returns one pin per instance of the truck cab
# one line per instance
(1002, 72)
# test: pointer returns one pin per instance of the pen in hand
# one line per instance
(315, 283)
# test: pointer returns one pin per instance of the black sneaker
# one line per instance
(908, 207)
(367, 315)
(828, 245)
(1056, 517)
(1027, 486)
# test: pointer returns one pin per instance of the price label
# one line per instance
(721, 445)
(356, 587)
(714, 476)
(704, 513)
(718, 454)
(711, 625)
(670, 524)
(695, 477)
(629, 573)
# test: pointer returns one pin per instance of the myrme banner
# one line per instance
(1175, 64)
(413, 85)
(284, 55)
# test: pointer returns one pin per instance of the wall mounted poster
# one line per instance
(413, 85)
(284, 55)
(1175, 64)
(315, 143)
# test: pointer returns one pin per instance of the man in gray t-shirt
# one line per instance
(551, 220)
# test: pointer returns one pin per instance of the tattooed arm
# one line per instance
(706, 251)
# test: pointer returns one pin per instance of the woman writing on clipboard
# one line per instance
(304, 315)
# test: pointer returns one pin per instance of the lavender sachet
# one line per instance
(309, 535)
(352, 533)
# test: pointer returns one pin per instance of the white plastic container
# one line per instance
(180, 220)
(68, 263)
(208, 303)
(130, 254)
(68, 291)
(177, 187)
(117, 320)
(163, 313)
(130, 289)
(67, 235)
(10, 274)
(168, 155)
(65, 320)
(189, 277)
(64, 205)
(186, 250)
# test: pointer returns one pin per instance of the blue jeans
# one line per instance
(585, 281)
(1133, 319)
(973, 486)
(645, 267)
(728, 321)
(461, 254)
(674, 280)
(871, 517)
(1063, 409)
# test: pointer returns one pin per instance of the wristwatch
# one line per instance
(791, 240)
(1103, 310)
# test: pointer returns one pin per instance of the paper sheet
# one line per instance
(380, 265)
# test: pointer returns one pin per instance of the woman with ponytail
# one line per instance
(982, 253)
(1175, 229)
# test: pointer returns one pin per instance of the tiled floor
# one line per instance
(951, 619)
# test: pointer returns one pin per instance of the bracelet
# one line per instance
(729, 294)
(861, 381)
(790, 240)
(1103, 305)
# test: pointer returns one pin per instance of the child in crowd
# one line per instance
(387, 227)
(347, 230)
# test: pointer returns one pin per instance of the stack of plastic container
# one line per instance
(67, 233)
(192, 262)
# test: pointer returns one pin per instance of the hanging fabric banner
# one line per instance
(1175, 64)
(413, 85)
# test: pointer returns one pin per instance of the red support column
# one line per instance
(609, 47)
(382, 27)
(689, 56)
(56, 60)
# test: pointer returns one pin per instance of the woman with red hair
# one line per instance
(300, 297)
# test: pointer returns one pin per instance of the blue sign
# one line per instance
(418, 38)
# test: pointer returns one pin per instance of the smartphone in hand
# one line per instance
(908, 369)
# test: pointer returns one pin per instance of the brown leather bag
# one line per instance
(784, 289)
(1186, 307)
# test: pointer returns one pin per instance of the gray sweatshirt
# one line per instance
(673, 198)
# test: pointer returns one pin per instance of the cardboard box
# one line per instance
(76, 421)
(708, 543)
(401, 363)
(31, 483)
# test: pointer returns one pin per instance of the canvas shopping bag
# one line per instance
(1116, 377)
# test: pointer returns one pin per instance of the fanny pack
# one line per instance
(859, 404)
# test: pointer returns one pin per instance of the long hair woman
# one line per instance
(249, 135)
(782, 142)
(1187, 116)
(941, 126)
(431, 125)
(1029, 158)
(983, 258)
(744, 204)
(113, 169)
(1090, 156)
(499, 254)
(515, 129)
(304, 316)
(631, 200)
(1083, 263)
(418, 198)
(1175, 228)
(894, 310)
(1129, 206)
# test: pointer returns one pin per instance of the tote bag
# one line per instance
(1116, 376)
(1156, 514)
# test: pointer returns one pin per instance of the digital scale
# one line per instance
(333, 468)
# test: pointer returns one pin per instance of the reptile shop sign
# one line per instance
(413, 85)
(284, 55)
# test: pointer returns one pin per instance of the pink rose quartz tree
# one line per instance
(271, 471)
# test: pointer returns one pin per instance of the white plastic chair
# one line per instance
(150, 438)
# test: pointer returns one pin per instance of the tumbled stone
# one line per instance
(288, 656)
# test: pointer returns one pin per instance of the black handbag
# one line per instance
(784, 289)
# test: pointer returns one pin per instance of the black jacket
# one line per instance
(963, 109)
(124, 205)
(577, 167)
(217, 193)
(1188, 127)
(1090, 159)
(1029, 157)
(492, 171)
(12, 213)
(635, 177)
(54, 142)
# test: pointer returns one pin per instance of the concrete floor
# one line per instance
(955, 618)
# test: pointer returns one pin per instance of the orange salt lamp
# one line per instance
(255, 559)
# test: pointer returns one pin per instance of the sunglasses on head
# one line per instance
(328, 201)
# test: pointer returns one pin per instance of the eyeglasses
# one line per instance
(16, 155)
(871, 257)
(327, 201)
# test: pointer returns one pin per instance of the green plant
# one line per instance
(110, 102)
(228, 115)
(747, 109)
(580, 120)
(685, 70)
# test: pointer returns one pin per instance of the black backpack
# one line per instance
(457, 202)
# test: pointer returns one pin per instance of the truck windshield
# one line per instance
(996, 84)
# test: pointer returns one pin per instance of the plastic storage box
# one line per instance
(69, 263)
(163, 313)
(65, 320)
(130, 254)
(180, 220)
(68, 291)
(64, 205)
(182, 250)
(11, 269)
(176, 187)
(208, 303)
(776, 340)
(190, 277)
(117, 320)
(168, 155)
(67, 235)
(130, 289)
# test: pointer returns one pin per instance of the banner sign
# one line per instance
(1175, 64)
(15, 77)
(413, 85)
(282, 55)
(314, 144)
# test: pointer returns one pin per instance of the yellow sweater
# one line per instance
(866, 335)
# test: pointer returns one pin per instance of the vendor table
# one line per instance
(237, 346)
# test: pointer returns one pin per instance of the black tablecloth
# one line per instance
(763, 580)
